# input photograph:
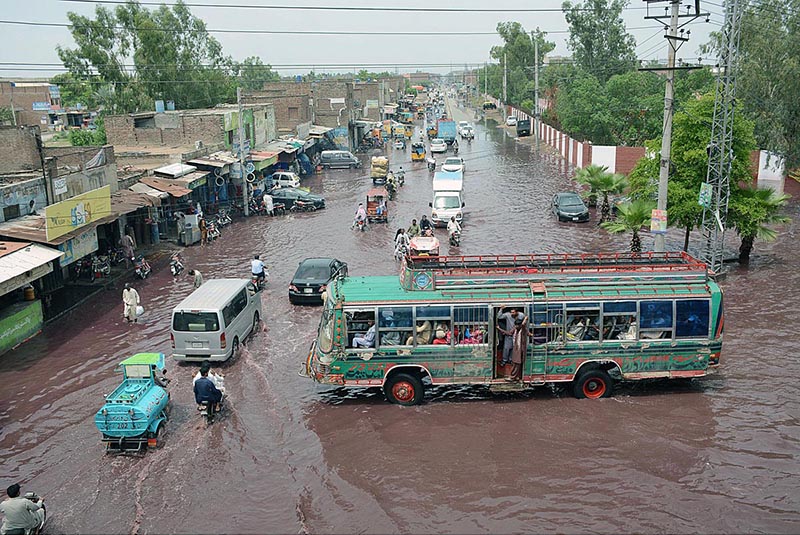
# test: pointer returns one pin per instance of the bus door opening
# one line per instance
(504, 319)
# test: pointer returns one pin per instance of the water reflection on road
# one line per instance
(716, 455)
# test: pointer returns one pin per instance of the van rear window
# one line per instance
(195, 321)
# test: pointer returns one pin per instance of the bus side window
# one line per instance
(394, 325)
(583, 321)
(471, 325)
(358, 323)
(431, 319)
(655, 319)
(547, 323)
(619, 320)
(691, 318)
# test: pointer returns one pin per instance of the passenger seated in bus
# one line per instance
(472, 336)
(442, 337)
(424, 331)
(368, 340)
(629, 327)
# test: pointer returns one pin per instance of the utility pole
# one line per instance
(536, 85)
(245, 193)
(13, 111)
(485, 78)
(674, 40)
(505, 83)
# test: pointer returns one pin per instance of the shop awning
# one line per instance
(147, 190)
(125, 201)
(175, 170)
(166, 185)
(317, 131)
(22, 263)
(281, 147)
(263, 159)
(33, 228)
(219, 164)
(193, 180)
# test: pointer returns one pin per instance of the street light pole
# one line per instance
(536, 86)
(245, 193)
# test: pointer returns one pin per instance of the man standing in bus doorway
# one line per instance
(520, 346)
(505, 324)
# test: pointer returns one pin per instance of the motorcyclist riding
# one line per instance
(21, 514)
(205, 390)
(452, 227)
(257, 269)
(425, 226)
(401, 243)
(361, 215)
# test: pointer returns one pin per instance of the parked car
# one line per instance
(438, 145)
(285, 179)
(312, 278)
(288, 196)
(511, 120)
(568, 206)
(453, 164)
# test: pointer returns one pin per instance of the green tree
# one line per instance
(752, 211)
(601, 182)
(631, 217)
(518, 50)
(636, 107)
(253, 74)
(582, 109)
(73, 91)
(768, 74)
(598, 39)
(173, 57)
(691, 133)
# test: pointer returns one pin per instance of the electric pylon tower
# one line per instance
(720, 148)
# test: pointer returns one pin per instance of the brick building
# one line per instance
(292, 101)
(187, 127)
(32, 101)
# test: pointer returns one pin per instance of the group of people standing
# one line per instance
(513, 327)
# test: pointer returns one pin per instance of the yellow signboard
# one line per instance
(64, 217)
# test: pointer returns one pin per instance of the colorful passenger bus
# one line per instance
(591, 320)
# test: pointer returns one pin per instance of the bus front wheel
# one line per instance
(592, 384)
(404, 389)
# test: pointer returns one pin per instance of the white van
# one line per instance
(213, 321)
(448, 198)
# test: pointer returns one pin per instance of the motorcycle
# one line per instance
(141, 267)
(391, 188)
(431, 165)
(41, 514)
(455, 238)
(101, 267)
(361, 225)
(213, 231)
(303, 206)
(400, 175)
(116, 256)
(223, 218)
(400, 252)
(207, 411)
(256, 208)
(455, 150)
(259, 282)
(176, 264)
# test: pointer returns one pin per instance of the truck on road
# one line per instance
(447, 130)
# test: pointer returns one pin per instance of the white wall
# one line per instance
(605, 156)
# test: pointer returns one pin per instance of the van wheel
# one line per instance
(404, 389)
(255, 323)
(235, 348)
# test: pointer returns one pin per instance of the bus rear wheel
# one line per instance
(592, 384)
(404, 389)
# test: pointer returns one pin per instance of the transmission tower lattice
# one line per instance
(720, 149)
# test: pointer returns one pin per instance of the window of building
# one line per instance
(294, 113)
(144, 122)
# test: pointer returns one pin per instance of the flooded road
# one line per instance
(290, 456)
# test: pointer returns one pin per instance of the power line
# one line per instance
(345, 8)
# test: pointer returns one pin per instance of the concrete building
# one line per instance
(292, 101)
(32, 101)
(186, 128)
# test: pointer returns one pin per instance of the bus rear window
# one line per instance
(195, 321)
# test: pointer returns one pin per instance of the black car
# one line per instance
(523, 127)
(288, 196)
(312, 277)
(569, 206)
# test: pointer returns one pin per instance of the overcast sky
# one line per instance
(31, 45)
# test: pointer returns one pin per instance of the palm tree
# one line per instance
(631, 217)
(751, 211)
(602, 182)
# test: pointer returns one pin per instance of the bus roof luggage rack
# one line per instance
(429, 273)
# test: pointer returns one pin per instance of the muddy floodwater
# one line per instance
(715, 455)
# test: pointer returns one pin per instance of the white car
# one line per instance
(511, 121)
(462, 125)
(438, 145)
(453, 164)
(285, 179)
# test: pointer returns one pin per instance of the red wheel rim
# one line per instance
(594, 388)
(403, 391)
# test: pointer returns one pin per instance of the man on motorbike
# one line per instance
(361, 215)
(425, 227)
(401, 243)
(257, 269)
(452, 227)
(20, 514)
(205, 390)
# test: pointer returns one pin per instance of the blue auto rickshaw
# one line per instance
(135, 413)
